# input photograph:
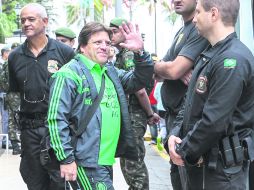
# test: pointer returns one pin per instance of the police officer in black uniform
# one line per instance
(216, 123)
(176, 68)
(30, 67)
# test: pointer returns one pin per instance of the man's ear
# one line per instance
(82, 49)
(45, 20)
(215, 13)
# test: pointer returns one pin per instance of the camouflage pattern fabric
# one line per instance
(134, 172)
(12, 102)
(124, 60)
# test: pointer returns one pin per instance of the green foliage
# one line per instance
(5, 27)
(8, 9)
(98, 15)
(23, 2)
(80, 11)
(73, 13)
(171, 15)
(8, 18)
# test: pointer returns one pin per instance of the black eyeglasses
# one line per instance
(41, 99)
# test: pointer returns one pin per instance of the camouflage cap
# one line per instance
(66, 32)
(116, 22)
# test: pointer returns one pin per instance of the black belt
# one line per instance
(35, 116)
(31, 124)
(32, 121)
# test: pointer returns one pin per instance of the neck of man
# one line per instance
(37, 44)
(188, 17)
(219, 33)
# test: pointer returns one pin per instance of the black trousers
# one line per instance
(199, 178)
(33, 173)
(177, 174)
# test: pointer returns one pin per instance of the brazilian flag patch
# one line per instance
(229, 63)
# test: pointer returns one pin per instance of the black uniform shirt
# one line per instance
(187, 43)
(220, 98)
(30, 75)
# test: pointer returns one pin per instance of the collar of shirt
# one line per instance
(212, 50)
(91, 65)
(49, 47)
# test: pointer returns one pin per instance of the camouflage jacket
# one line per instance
(12, 98)
(4, 77)
(124, 60)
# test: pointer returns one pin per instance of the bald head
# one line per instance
(39, 9)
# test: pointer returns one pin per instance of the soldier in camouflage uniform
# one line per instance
(12, 102)
(135, 172)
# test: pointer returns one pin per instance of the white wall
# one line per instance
(246, 24)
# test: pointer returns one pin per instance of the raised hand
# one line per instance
(134, 41)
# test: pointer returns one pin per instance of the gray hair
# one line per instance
(41, 11)
(229, 9)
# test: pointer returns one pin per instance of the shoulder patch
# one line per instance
(52, 66)
(180, 37)
(201, 85)
(229, 63)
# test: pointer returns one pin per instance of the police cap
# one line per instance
(116, 22)
(66, 32)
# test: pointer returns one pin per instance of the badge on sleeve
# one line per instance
(52, 66)
(229, 63)
(201, 85)
(180, 37)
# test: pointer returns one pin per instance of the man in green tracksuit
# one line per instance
(109, 133)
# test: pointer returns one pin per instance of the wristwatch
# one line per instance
(150, 116)
(140, 52)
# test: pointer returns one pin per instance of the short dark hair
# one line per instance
(88, 30)
(229, 9)
(5, 49)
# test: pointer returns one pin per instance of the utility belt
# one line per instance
(232, 151)
(32, 121)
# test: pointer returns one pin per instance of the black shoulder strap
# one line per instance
(91, 110)
(96, 100)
